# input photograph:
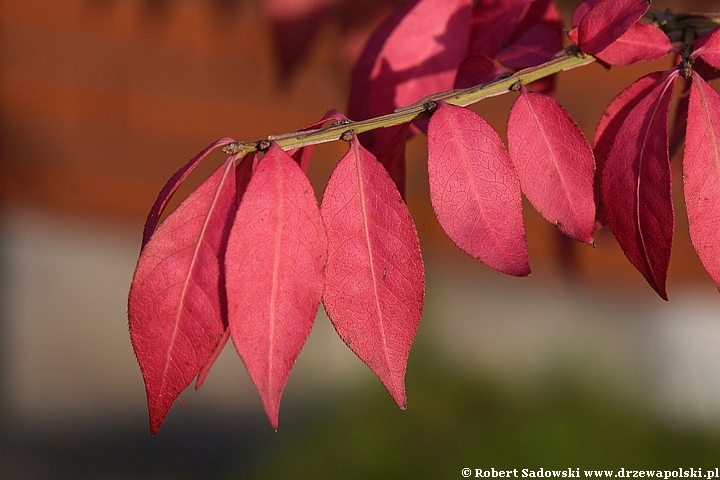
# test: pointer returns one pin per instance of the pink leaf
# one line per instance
(494, 21)
(708, 47)
(610, 123)
(275, 264)
(641, 43)
(172, 185)
(375, 275)
(177, 307)
(420, 55)
(476, 70)
(536, 45)
(636, 186)
(554, 162)
(607, 21)
(475, 191)
(243, 173)
(701, 174)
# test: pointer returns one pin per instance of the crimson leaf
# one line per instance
(375, 275)
(536, 45)
(177, 307)
(172, 185)
(475, 190)
(419, 56)
(606, 21)
(243, 173)
(636, 186)
(554, 162)
(393, 158)
(640, 43)
(494, 21)
(708, 47)
(275, 264)
(701, 174)
(610, 123)
(477, 69)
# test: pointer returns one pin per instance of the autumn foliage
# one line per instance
(250, 255)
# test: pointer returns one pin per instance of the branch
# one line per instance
(672, 24)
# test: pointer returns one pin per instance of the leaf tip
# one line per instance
(272, 410)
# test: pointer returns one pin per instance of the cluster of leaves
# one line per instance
(250, 254)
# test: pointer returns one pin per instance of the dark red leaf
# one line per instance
(554, 162)
(420, 56)
(545, 21)
(393, 158)
(177, 306)
(679, 121)
(243, 173)
(641, 43)
(275, 264)
(581, 9)
(475, 190)
(707, 47)
(172, 185)
(476, 70)
(494, 21)
(701, 174)
(375, 275)
(636, 186)
(606, 21)
(610, 123)
(302, 155)
(535, 46)
(705, 70)
(543, 12)
(294, 25)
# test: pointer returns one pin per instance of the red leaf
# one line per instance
(294, 25)
(494, 21)
(554, 162)
(641, 43)
(581, 9)
(177, 305)
(475, 190)
(679, 121)
(419, 56)
(476, 70)
(393, 158)
(243, 173)
(543, 12)
(172, 185)
(302, 155)
(701, 174)
(636, 186)
(610, 123)
(607, 21)
(275, 264)
(375, 275)
(536, 45)
(708, 47)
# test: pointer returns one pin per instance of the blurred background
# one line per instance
(579, 365)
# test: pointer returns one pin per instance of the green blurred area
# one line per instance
(453, 422)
